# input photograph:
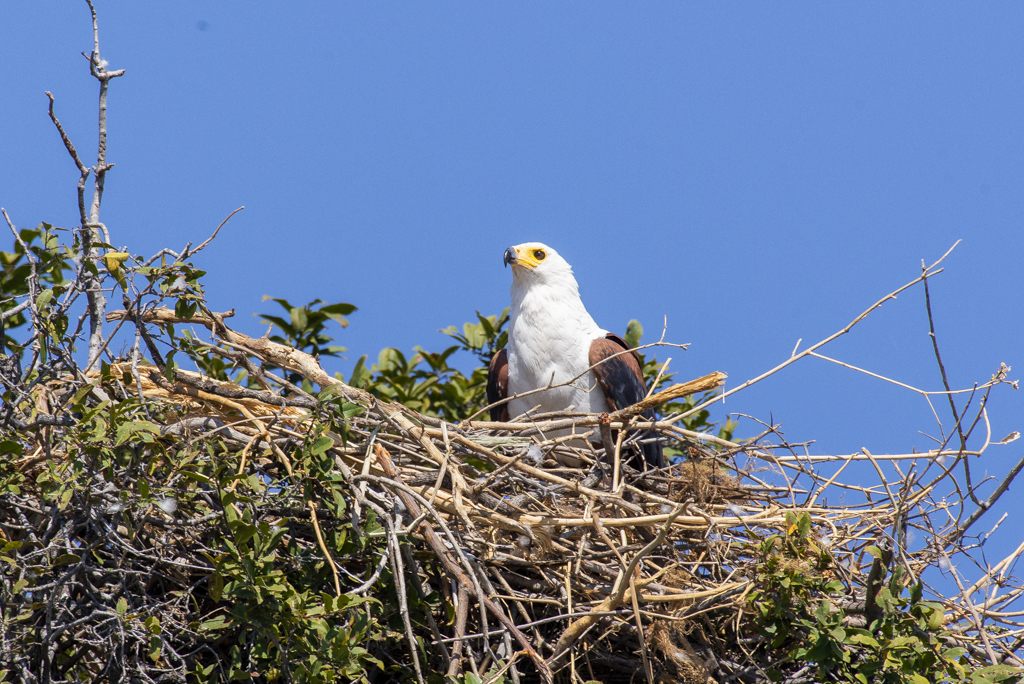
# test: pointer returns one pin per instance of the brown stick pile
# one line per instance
(599, 571)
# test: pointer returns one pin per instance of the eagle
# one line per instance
(558, 359)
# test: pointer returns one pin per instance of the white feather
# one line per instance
(550, 332)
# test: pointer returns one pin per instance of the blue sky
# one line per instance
(757, 173)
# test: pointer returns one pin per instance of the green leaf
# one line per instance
(215, 624)
(390, 358)
(899, 641)
(216, 584)
(243, 531)
(43, 298)
(474, 335)
(122, 606)
(634, 333)
(350, 409)
(321, 445)
(486, 323)
(184, 308)
(155, 645)
(143, 430)
(278, 321)
(954, 654)
(863, 640)
(10, 448)
(997, 673)
(300, 318)
(936, 618)
(342, 308)
(359, 374)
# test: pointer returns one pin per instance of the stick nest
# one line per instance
(501, 560)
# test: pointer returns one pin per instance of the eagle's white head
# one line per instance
(543, 287)
(535, 262)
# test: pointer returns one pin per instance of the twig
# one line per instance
(930, 271)
(443, 554)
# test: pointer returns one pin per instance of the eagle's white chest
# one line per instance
(548, 357)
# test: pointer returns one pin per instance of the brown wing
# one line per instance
(622, 380)
(620, 377)
(497, 385)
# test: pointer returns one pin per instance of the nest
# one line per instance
(598, 571)
(560, 559)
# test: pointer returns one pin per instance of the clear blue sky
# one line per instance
(757, 173)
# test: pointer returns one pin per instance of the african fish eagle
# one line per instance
(557, 357)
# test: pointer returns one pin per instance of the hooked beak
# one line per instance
(510, 256)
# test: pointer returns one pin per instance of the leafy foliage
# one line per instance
(305, 327)
(35, 266)
(428, 381)
(244, 591)
(437, 383)
(253, 600)
(800, 605)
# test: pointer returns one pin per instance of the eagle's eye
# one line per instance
(539, 254)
